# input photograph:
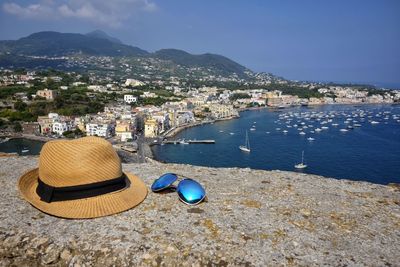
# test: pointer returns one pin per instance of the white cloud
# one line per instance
(110, 13)
(30, 11)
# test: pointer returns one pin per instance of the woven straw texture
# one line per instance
(81, 161)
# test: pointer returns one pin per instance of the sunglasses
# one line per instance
(189, 191)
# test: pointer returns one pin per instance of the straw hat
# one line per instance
(81, 178)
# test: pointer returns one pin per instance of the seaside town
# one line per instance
(199, 133)
(56, 104)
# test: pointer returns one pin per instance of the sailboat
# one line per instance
(246, 147)
(301, 165)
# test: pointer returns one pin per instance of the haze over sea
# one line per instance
(369, 153)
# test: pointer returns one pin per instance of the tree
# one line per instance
(59, 102)
(70, 134)
(50, 83)
(239, 96)
(20, 106)
(78, 132)
(84, 78)
(17, 127)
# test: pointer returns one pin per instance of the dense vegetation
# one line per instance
(221, 63)
(99, 44)
(70, 102)
(58, 44)
(301, 92)
(285, 88)
(239, 96)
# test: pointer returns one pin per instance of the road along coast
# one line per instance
(251, 218)
(174, 131)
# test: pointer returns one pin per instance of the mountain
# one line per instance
(205, 60)
(102, 35)
(60, 44)
(98, 43)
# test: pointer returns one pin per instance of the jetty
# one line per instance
(174, 142)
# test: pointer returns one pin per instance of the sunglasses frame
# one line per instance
(175, 187)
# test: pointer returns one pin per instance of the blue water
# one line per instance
(369, 153)
(22, 146)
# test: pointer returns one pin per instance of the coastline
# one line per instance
(32, 137)
(174, 131)
(149, 153)
(195, 156)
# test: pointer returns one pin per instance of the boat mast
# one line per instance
(247, 141)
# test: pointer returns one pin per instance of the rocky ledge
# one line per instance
(251, 218)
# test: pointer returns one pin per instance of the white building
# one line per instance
(133, 82)
(53, 116)
(60, 127)
(130, 99)
(148, 95)
(97, 129)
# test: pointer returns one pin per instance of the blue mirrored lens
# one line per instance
(163, 182)
(190, 191)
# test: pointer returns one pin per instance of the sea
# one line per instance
(340, 141)
(21, 146)
(353, 142)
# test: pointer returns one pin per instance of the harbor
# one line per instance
(341, 141)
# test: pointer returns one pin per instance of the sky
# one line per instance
(320, 40)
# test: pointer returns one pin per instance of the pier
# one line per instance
(174, 142)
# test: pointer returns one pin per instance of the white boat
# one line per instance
(343, 130)
(246, 147)
(301, 165)
(285, 131)
(302, 133)
(183, 142)
(318, 130)
(310, 139)
(25, 150)
(252, 129)
(374, 122)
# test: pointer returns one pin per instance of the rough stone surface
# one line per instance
(251, 218)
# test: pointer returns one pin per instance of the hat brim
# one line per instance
(86, 208)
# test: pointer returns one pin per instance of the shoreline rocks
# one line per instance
(250, 218)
